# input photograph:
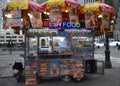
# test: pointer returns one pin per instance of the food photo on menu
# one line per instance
(30, 69)
(29, 81)
(13, 20)
(12, 14)
(78, 74)
(64, 64)
(12, 23)
(65, 72)
(43, 68)
(54, 67)
(55, 17)
(78, 64)
(71, 64)
(15, 13)
(88, 20)
(74, 19)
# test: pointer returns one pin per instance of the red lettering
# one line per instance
(45, 23)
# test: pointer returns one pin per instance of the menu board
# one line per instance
(35, 19)
(12, 18)
(83, 50)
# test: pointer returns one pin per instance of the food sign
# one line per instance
(35, 19)
(55, 17)
(73, 18)
(91, 20)
(105, 20)
(12, 18)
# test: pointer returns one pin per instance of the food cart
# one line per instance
(61, 47)
(55, 53)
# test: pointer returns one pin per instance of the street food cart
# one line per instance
(61, 47)
(55, 53)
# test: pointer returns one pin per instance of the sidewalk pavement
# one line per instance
(6, 72)
(110, 78)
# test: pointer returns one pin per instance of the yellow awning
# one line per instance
(90, 7)
(53, 3)
(18, 4)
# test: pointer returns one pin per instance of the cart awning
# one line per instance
(97, 7)
(18, 4)
(72, 3)
(28, 5)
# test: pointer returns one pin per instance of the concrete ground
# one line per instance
(111, 76)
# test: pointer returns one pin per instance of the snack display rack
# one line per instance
(53, 53)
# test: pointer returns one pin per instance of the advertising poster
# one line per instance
(64, 64)
(12, 22)
(54, 67)
(78, 64)
(91, 20)
(35, 19)
(77, 71)
(55, 17)
(30, 81)
(30, 68)
(73, 15)
(43, 68)
(15, 13)
(12, 18)
(73, 18)
(105, 20)
(78, 74)
(65, 72)
(71, 64)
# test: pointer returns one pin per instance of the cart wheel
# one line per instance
(77, 79)
(66, 78)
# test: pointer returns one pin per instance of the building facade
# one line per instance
(15, 38)
(116, 4)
